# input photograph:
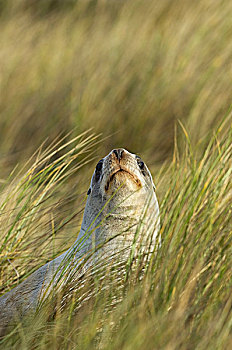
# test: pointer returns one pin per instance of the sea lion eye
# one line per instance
(99, 165)
(140, 163)
(89, 191)
(98, 170)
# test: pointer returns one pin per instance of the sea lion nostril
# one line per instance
(118, 152)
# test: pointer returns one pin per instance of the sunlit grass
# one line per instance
(156, 78)
(128, 68)
(41, 203)
(182, 297)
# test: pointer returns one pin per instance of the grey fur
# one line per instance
(120, 195)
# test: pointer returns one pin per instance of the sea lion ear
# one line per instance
(89, 191)
(154, 188)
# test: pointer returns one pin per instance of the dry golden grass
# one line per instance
(155, 78)
(129, 69)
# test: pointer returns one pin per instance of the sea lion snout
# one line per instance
(118, 153)
(120, 172)
(120, 168)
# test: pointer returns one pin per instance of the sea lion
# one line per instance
(121, 210)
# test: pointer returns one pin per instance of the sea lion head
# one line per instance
(120, 193)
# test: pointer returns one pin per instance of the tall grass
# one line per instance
(128, 68)
(182, 299)
(39, 205)
(156, 78)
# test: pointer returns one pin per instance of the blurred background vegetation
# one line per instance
(129, 69)
(133, 71)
